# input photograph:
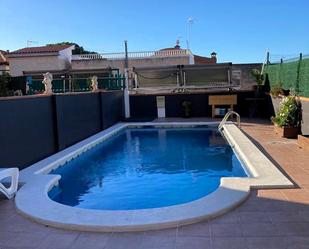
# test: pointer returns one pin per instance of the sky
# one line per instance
(239, 31)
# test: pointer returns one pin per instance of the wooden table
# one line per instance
(215, 100)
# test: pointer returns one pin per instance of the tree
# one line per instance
(78, 49)
(4, 82)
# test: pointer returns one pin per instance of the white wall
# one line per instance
(41, 62)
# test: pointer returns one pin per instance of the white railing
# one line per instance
(226, 117)
(133, 55)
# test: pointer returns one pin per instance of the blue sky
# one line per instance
(239, 30)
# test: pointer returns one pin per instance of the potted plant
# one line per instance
(259, 78)
(187, 108)
(289, 116)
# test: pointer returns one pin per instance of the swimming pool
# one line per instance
(42, 180)
(150, 167)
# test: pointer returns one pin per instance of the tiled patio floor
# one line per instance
(268, 219)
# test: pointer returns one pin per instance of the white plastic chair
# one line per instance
(11, 190)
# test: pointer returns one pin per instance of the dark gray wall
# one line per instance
(34, 127)
(143, 106)
(27, 130)
(305, 124)
(78, 117)
(247, 81)
(111, 102)
(200, 108)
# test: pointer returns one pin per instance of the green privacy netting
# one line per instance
(290, 75)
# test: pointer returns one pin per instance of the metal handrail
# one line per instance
(227, 115)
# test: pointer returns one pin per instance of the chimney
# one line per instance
(177, 44)
(213, 55)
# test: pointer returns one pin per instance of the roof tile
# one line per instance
(43, 49)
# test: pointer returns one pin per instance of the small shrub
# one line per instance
(187, 108)
(276, 91)
(289, 113)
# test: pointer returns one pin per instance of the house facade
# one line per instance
(54, 58)
(4, 63)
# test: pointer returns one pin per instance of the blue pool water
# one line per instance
(147, 168)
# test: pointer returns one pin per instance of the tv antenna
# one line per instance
(30, 42)
(190, 21)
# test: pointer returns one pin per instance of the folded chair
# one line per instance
(13, 173)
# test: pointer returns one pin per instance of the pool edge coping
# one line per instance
(231, 192)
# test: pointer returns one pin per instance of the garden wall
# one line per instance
(143, 106)
(34, 127)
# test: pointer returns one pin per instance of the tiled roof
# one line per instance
(164, 49)
(204, 60)
(44, 49)
(3, 59)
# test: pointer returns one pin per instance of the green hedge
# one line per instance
(286, 75)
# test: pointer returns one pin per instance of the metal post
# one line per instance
(126, 89)
(70, 84)
(136, 80)
(229, 76)
(63, 77)
(298, 73)
(126, 61)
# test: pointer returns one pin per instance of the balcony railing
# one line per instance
(133, 55)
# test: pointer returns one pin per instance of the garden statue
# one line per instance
(94, 83)
(47, 81)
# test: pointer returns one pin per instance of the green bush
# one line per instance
(289, 113)
(4, 82)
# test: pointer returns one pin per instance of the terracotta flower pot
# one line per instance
(287, 132)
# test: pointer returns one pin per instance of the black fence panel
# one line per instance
(248, 104)
(78, 117)
(199, 105)
(27, 130)
(112, 106)
(35, 127)
(143, 106)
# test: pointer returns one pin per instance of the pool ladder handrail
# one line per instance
(227, 115)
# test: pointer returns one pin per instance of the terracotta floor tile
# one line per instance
(228, 218)
(193, 243)
(251, 217)
(225, 230)
(229, 243)
(91, 240)
(266, 242)
(59, 240)
(275, 194)
(201, 229)
(155, 242)
(293, 229)
(162, 233)
(259, 229)
(283, 217)
(125, 241)
(298, 242)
